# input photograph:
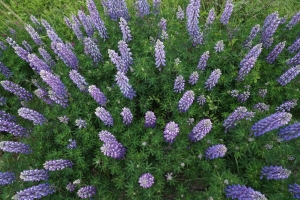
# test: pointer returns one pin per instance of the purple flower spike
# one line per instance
(43, 95)
(179, 84)
(65, 54)
(186, 101)
(241, 192)
(78, 80)
(35, 192)
(295, 19)
(254, 31)
(96, 19)
(32, 115)
(142, 7)
(201, 100)
(160, 55)
(76, 28)
(127, 116)
(156, 5)
(294, 60)
(194, 78)
(125, 87)
(72, 144)
(261, 107)
(7, 117)
(213, 79)
(113, 149)
(146, 180)
(163, 24)
(20, 92)
(275, 173)
(87, 191)
(7, 178)
(91, 49)
(37, 64)
(13, 128)
(219, 46)
(54, 82)
(15, 147)
(2, 46)
(46, 57)
(271, 23)
(125, 53)
(53, 36)
(200, 130)
(287, 106)
(290, 132)
(275, 52)
(98, 96)
(104, 116)
(27, 46)
(210, 18)
(289, 75)
(22, 53)
(270, 123)
(34, 35)
(86, 23)
(68, 22)
(2, 101)
(295, 46)
(180, 13)
(106, 136)
(192, 13)
(254, 52)
(239, 114)
(5, 71)
(118, 61)
(295, 190)
(54, 165)
(80, 123)
(203, 61)
(71, 187)
(150, 119)
(34, 175)
(216, 151)
(227, 12)
(171, 131)
(125, 30)
(116, 9)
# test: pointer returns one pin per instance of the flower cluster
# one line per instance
(7, 178)
(20, 92)
(127, 116)
(179, 84)
(213, 79)
(171, 131)
(200, 130)
(242, 192)
(32, 115)
(150, 119)
(54, 165)
(275, 173)
(98, 96)
(104, 116)
(35, 192)
(87, 191)
(146, 180)
(215, 151)
(239, 114)
(111, 147)
(15, 147)
(186, 101)
(34, 175)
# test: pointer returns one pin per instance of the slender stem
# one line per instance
(237, 165)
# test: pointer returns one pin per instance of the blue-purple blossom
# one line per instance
(54, 82)
(126, 55)
(98, 96)
(295, 46)
(91, 49)
(35, 192)
(20, 92)
(201, 100)
(243, 96)
(125, 30)
(113, 149)
(163, 24)
(116, 9)
(239, 114)
(295, 190)
(65, 54)
(54, 165)
(68, 22)
(179, 84)
(254, 52)
(290, 132)
(275, 173)
(76, 27)
(12, 31)
(142, 7)
(275, 52)
(96, 19)
(219, 46)
(78, 80)
(270, 123)
(37, 64)
(146, 180)
(160, 55)
(156, 5)
(59, 99)
(15, 147)
(210, 18)
(80, 123)
(2, 46)
(53, 36)
(87, 191)
(34, 35)
(295, 19)
(118, 61)
(261, 107)
(289, 75)
(171, 131)
(26, 45)
(22, 53)
(213, 79)
(2, 101)
(106, 136)
(43, 95)
(46, 57)
(5, 71)
(34, 20)
(127, 116)
(192, 13)
(294, 60)
(104, 116)
(86, 23)
(227, 12)
(262, 92)
(46, 25)
(150, 119)
(7, 178)
(287, 106)
(180, 13)
(193, 78)
(72, 144)
(254, 31)
(34, 175)
(12, 128)
(271, 23)
(125, 87)
(215, 151)
(186, 101)
(7, 117)
(200, 130)
(32, 115)
(11, 42)
(71, 187)
(203, 61)
(241, 192)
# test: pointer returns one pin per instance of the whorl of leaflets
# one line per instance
(96, 19)
(125, 30)
(54, 165)
(7, 178)
(215, 151)
(150, 119)
(203, 61)
(20, 92)
(13, 128)
(290, 132)
(91, 49)
(34, 175)
(171, 131)
(239, 114)
(5, 71)
(35, 192)
(87, 191)
(32, 115)
(160, 55)
(213, 79)
(78, 80)
(227, 12)
(118, 61)
(200, 130)
(65, 54)
(275, 52)
(37, 64)
(142, 7)
(295, 190)
(34, 35)
(242, 192)
(275, 173)
(98, 96)
(270, 123)
(192, 13)
(127, 116)
(104, 116)
(186, 101)
(146, 180)
(125, 87)
(111, 147)
(15, 147)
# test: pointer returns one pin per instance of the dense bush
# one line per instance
(132, 103)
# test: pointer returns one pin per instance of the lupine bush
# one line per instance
(150, 100)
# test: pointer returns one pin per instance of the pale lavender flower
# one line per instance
(241, 192)
(295, 46)
(200, 130)
(12, 127)
(68, 22)
(34, 175)
(142, 7)
(26, 45)
(235, 117)
(275, 52)
(243, 96)
(35, 192)
(192, 13)
(171, 131)
(160, 55)
(150, 119)
(20, 92)
(262, 92)
(126, 55)
(254, 31)
(125, 30)
(96, 19)
(215, 151)
(46, 57)
(78, 80)
(116, 9)
(98, 96)
(54, 165)
(65, 54)
(179, 84)
(213, 79)
(219, 46)
(268, 146)
(87, 191)
(287, 106)
(227, 12)
(34, 35)
(46, 25)
(193, 78)
(271, 23)
(295, 190)
(53, 36)
(37, 64)
(186, 101)
(71, 187)
(5, 71)
(43, 95)
(156, 5)
(275, 173)
(164, 35)
(80, 123)
(118, 61)
(163, 24)
(190, 121)
(104, 116)
(270, 123)
(234, 93)
(2, 46)
(7, 117)
(210, 18)
(169, 176)
(32, 115)
(15, 147)
(11, 42)
(86, 23)
(106, 136)
(72, 144)
(201, 100)
(76, 28)
(294, 60)
(180, 13)
(7, 178)
(203, 61)
(127, 116)
(59, 99)
(22, 53)
(113, 149)
(54, 82)
(290, 132)
(261, 107)
(295, 19)
(146, 180)
(91, 49)
(254, 52)
(289, 75)
(63, 119)
(125, 87)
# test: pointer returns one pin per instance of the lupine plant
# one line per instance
(150, 100)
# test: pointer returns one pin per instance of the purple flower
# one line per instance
(116, 9)
(72, 144)
(68, 22)
(215, 151)
(295, 190)
(46, 25)
(78, 80)
(15, 147)
(37, 64)
(96, 19)
(118, 61)
(270, 123)
(219, 46)
(27, 46)
(80, 123)
(294, 60)
(54, 165)
(53, 36)
(20, 92)
(7, 117)
(11, 42)
(7, 178)
(262, 92)
(160, 55)
(271, 23)
(186, 101)
(125, 30)
(65, 54)
(54, 82)
(86, 23)
(275, 52)
(180, 13)
(46, 57)
(5, 71)
(113, 149)
(2, 46)
(295, 46)
(287, 106)
(106, 136)
(163, 24)
(71, 187)
(261, 107)
(201, 100)
(12, 127)
(210, 18)
(98, 96)
(34, 175)
(203, 61)
(76, 28)
(295, 19)
(227, 12)
(289, 75)
(254, 52)
(32, 115)
(200, 130)
(63, 119)
(146, 180)
(104, 116)
(213, 79)
(171, 131)
(34, 20)
(193, 78)
(290, 132)
(22, 53)
(142, 7)
(192, 13)
(275, 173)
(43, 95)
(127, 116)
(179, 84)
(243, 96)
(125, 53)
(2, 101)
(87, 191)
(156, 5)
(239, 114)
(35, 192)
(34, 35)
(241, 192)
(59, 99)
(91, 49)
(125, 87)
(254, 31)
(150, 119)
